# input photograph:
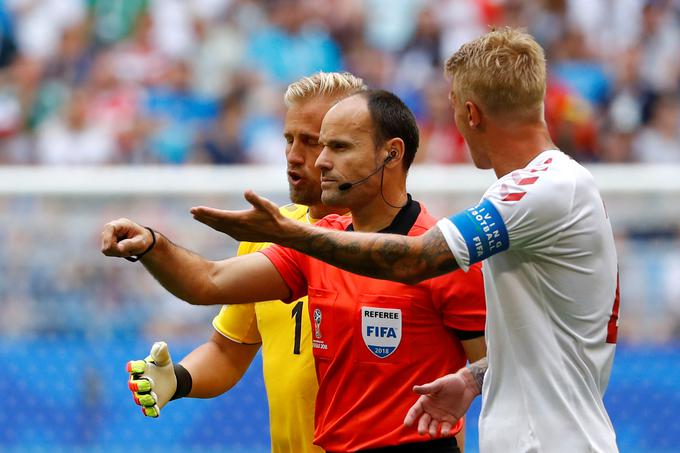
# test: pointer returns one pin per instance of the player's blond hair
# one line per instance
(323, 84)
(504, 71)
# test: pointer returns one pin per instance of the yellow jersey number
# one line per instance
(297, 314)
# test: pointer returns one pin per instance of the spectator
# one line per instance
(8, 46)
(291, 45)
(389, 25)
(172, 33)
(137, 60)
(440, 140)
(73, 57)
(114, 20)
(659, 142)
(631, 94)
(178, 113)
(660, 41)
(218, 57)
(21, 109)
(73, 138)
(39, 25)
(221, 144)
(571, 121)
(420, 62)
(116, 105)
(575, 65)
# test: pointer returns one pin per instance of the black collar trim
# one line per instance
(403, 221)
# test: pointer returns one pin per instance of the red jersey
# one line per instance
(374, 339)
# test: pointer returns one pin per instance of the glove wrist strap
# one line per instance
(184, 382)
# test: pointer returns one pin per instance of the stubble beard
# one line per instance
(332, 198)
(305, 197)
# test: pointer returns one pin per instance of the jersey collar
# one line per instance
(312, 221)
(403, 221)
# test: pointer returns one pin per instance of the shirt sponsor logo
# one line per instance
(381, 330)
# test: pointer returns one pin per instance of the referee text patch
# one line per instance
(381, 329)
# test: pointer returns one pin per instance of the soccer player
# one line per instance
(372, 339)
(550, 269)
(283, 331)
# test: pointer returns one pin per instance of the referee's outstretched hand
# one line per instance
(442, 402)
(262, 223)
(124, 238)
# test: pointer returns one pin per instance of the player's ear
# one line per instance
(474, 115)
(395, 152)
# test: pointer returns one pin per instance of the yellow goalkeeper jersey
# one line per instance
(289, 374)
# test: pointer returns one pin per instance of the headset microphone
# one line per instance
(348, 185)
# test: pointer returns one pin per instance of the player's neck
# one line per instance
(318, 212)
(376, 214)
(515, 148)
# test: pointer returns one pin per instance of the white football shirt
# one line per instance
(552, 307)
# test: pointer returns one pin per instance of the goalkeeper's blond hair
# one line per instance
(323, 84)
(503, 71)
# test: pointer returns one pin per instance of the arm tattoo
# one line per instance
(478, 370)
(385, 256)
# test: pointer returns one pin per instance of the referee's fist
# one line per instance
(152, 381)
(125, 238)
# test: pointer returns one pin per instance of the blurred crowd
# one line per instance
(91, 82)
(201, 81)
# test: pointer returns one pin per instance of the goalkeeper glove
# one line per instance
(155, 380)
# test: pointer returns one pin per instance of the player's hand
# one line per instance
(152, 380)
(124, 238)
(262, 223)
(442, 403)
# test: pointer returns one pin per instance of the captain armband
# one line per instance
(483, 230)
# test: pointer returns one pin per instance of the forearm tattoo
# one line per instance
(478, 370)
(384, 256)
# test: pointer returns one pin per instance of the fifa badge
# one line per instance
(381, 330)
(317, 323)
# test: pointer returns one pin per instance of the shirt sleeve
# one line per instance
(239, 322)
(460, 298)
(291, 265)
(521, 211)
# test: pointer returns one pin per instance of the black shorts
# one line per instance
(444, 445)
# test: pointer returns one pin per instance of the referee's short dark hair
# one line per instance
(391, 118)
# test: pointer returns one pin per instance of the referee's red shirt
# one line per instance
(374, 339)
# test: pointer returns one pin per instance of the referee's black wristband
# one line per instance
(184, 382)
(148, 249)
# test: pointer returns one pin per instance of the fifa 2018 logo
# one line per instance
(317, 323)
(381, 330)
